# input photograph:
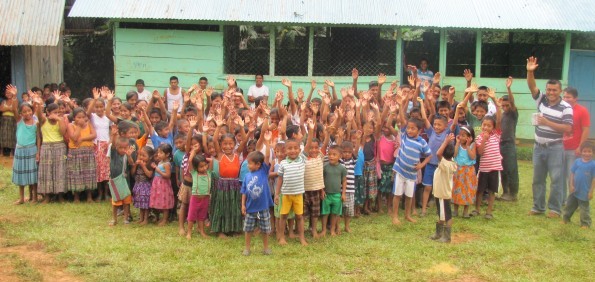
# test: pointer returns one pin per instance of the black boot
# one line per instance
(445, 235)
(439, 231)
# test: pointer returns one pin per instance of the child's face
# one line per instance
(274, 118)
(160, 155)
(143, 156)
(386, 131)
(132, 133)
(412, 130)
(80, 119)
(354, 139)
(154, 118)
(99, 108)
(462, 114)
(444, 111)
(116, 106)
(184, 127)
(347, 153)
(179, 143)
(251, 148)
(482, 95)
(439, 125)
(587, 154)
(196, 144)
(373, 91)
(211, 149)
(252, 166)
(163, 132)
(333, 156)
(314, 150)
(26, 113)
(368, 129)
(292, 149)
(202, 167)
(25, 97)
(132, 100)
(479, 112)
(227, 145)
(122, 148)
(464, 137)
(415, 115)
(487, 126)
(141, 105)
(505, 106)
(140, 88)
(280, 152)
(124, 112)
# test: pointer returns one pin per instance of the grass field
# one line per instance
(74, 241)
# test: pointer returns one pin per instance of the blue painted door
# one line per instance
(582, 77)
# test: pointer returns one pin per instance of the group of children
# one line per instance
(235, 168)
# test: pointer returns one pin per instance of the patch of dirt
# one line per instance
(468, 278)
(9, 219)
(458, 238)
(35, 257)
(444, 268)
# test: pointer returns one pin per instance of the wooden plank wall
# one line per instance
(156, 55)
(44, 64)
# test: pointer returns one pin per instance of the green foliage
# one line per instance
(524, 153)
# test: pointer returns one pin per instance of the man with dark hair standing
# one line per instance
(257, 90)
(553, 121)
(578, 135)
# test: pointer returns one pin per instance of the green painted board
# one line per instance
(147, 64)
(159, 79)
(203, 38)
(127, 49)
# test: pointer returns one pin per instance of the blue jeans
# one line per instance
(569, 158)
(548, 160)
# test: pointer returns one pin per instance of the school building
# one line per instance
(309, 39)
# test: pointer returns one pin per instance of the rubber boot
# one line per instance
(439, 232)
(445, 235)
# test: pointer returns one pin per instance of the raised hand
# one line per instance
(472, 88)
(468, 74)
(381, 78)
(192, 120)
(313, 84)
(450, 137)
(370, 117)
(238, 120)
(56, 95)
(268, 135)
(393, 107)
(532, 64)
(279, 96)
(329, 83)
(300, 94)
(411, 80)
(509, 82)
(393, 85)
(451, 91)
(492, 93)
(343, 92)
(349, 115)
(110, 95)
(219, 120)
(156, 94)
(311, 124)
(420, 100)
(321, 93)
(437, 77)
(208, 91)
(354, 73)
(286, 82)
(374, 106)
(105, 90)
(205, 126)
(350, 91)
(96, 93)
(252, 126)
(186, 97)
(176, 106)
(425, 86)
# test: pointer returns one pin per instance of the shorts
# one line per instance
(125, 201)
(293, 203)
(263, 218)
(277, 210)
(199, 208)
(403, 186)
(443, 209)
(428, 179)
(349, 204)
(184, 193)
(312, 203)
(332, 204)
(488, 181)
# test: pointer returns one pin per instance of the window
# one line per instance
(421, 44)
(504, 54)
(460, 51)
(247, 49)
(337, 50)
(291, 50)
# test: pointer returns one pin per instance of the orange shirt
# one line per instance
(85, 132)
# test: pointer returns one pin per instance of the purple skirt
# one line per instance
(142, 194)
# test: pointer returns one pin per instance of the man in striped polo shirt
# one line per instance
(554, 120)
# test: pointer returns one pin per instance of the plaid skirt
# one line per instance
(162, 195)
(387, 180)
(24, 167)
(81, 169)
(102, 161)
(51, 176)
(464, 186)
(8, 127)
(369, 180)
(225, 211)
(142, 194)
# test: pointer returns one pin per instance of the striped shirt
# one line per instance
(350, 166)
(411, 150)
(313, 175)
(293, 175)
(491, 160)
(560, 113)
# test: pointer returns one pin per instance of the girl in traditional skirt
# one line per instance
(81, 167)
(52, 153)
(101, 124)
(24, 168)
(386, 148)
(369, 175)
(226, 214)
(162, 194)
(8, 124)
(465, 179)
(143, 172)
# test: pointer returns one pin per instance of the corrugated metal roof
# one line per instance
(31, 22)
(572, 15)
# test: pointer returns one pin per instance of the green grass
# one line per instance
(513, 246)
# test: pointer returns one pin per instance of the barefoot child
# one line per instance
(143, 172)
(81, 172)
(24, 168)
(582, 184)
(120, 157)
(256, 197)
(443, 189)
(101, 124)
(162, 194)
(465, 179)
(52, 153)
(202, 179)
(348, 161)
(313, 179)
(335, 185)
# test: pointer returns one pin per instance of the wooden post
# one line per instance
(442, 57)
(310, 51)
(399, 57)
(478, 54)
(566, 58)
(272, 46)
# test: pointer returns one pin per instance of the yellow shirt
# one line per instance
(51, 132)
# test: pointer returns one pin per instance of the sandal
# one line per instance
(127, 221)
(474, 213)
(489, 216)
(466, 216)
(246, 253)
(267, 252)
(112, 223)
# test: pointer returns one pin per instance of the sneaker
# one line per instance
(489, 216)
(507, 198)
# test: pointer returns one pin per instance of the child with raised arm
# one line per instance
(313, 179)
(582, 184)
(52, 153)
(510, 169)
(101, 124)
(202, 178)
(256, 197)
(443, 189)
(490, 164)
